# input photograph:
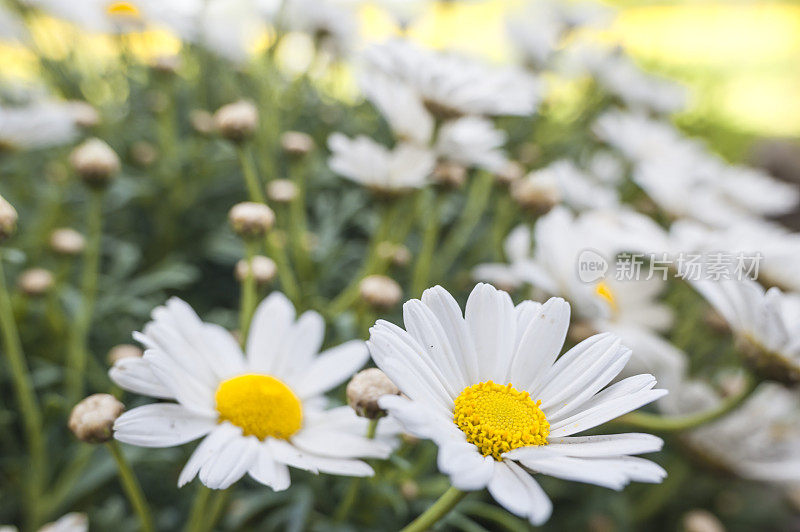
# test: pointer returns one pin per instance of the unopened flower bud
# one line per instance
(701, 521)
(398, 254)
(237, 121)
(510, 172)
(122, 351)
(92, 420)
(250, 219)
(71, 522)
(166, 64)
(409, 489)
(8, 219)
(263, 269)
(536, 193)
(281, 190)
(36, 281)
(95, 162)
(364, 390)
(144, 153)
(296, 143)
(202, 121)
(84, 114)
(380, 292)
(66, 241)
(450, 174)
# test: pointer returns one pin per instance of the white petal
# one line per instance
(331, 368)
(207, 450)
(266, 470)
(519, 493)
(575, 469)
(231, 462)
(273, 317)
(230, 358)
(300, 344)
(492, 323)
(558, 382)
(192, 393)
(339, 444)
(340, 466)
(134, 374)
(539, 344)
(286, 453)
(606, 445)
(161, 425)
(419, 419)
(467, 468)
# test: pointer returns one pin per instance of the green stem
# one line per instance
(298, 223)
(249, 173)
(217, 506)
(372, 264)
(77, 353)
(422, 266)
(26, 397)
(248, 295)
(197, 515)
(351, 495)
(276, 249)
(372, 428)
(437, 511)
(477, 199)
(657, 423)
(132, 488)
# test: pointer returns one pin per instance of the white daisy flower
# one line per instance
(11, 27)
(376, 167)
(40, 124)
(400, 105)
(767, 323)
(258, 411)
(452, 85)
(71, 522)
(758, 441)
(578, 189)
(489, 388)
(333, 26)
(472, 141)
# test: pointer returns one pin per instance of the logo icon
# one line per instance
(592, 266)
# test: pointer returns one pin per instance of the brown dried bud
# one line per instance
(450, 174)
(8, 219)
(296, 143)
(95, 162)
(380, 292)
(263, 269)
(122, 351)
(92, 420)
(237, 121)
(511, 171)
(66, 241)
(281, 190)
(250, 219)
(202, 121)
(364, 390)
(36, 281)
(536, 193)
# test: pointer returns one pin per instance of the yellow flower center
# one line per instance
(123, 9)
(499, 418)
(604, 292)
(262, 406)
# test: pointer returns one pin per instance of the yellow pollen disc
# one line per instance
(604, 291)
(123, 9)
(262, 406)
(499, 418)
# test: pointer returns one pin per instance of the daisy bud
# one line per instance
(409, 490)
(92, 420)
(281, 190)
(263, 269)
(121, 351)
(398, 254)
(95, 162)
(144, 153)
(510, 172)
(380, 292)
(450, 174)
(202, 121)
(36, 282)
(66, 241)
(250, 219)
(236, 121)
(364, 390)
(73, 521)
(8, 219)
(535, 194)
(85, 115)
(701, 521)
(296, 144)
(166, 64)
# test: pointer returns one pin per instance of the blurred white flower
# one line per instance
(606, 167)
(333, 26)
(257, 412)
(229, 28)
(400, 105)
(11, 27)
(578, 190)
(71, 522)
(40, 124)
(487, 388)
(452, 85)
(758, 441)
(370, 164)
(640, 138)
(472, 141)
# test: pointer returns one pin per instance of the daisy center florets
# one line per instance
(499, 418)
(604, 292)
(123, 9)
(262, 406)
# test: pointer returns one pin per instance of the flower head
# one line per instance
(490, 389)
